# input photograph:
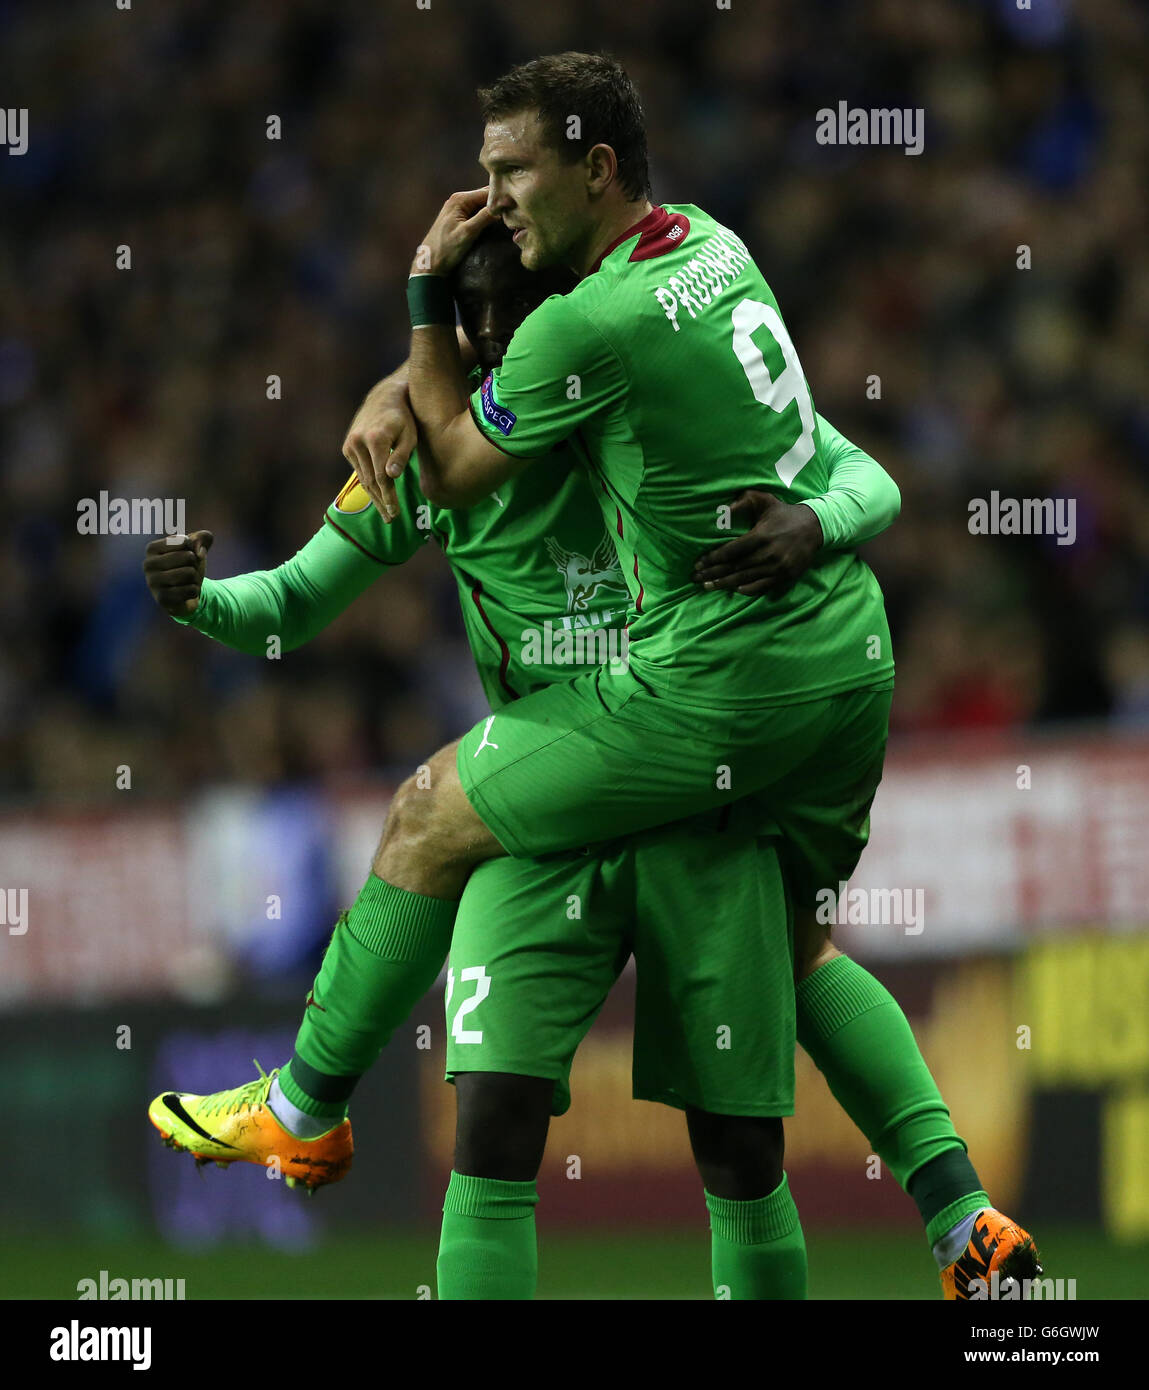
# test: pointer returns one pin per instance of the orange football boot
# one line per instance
(997, 1246)
(238, 1126)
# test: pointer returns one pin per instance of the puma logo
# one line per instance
(485, 743)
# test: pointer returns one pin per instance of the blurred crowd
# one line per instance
(898, 276)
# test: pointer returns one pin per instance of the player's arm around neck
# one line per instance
(457, 465)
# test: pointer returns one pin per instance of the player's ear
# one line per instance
(601, 167)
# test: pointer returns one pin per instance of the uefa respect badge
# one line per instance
(498, 415)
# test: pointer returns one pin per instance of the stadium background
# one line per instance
(1017, 793)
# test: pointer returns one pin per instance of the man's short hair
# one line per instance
(591, 86)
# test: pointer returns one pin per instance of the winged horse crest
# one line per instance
(584, 577)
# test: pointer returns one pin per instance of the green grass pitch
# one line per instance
(641, 1264)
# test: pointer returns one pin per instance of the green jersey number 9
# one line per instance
(749, 316)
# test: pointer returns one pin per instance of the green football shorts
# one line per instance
(701, 904)
(601, 757)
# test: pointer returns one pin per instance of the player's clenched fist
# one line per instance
(462, 217)
(174, 568)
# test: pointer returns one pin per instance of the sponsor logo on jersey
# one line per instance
(352, 499)
(496, 414)
(585, 579)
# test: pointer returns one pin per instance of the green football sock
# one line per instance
(859, 1039)
(487, 1248)
(383, 957)
(757, 1249)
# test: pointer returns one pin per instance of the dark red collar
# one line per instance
(659, 231)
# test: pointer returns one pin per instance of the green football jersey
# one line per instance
(669, 370)
(539, 582)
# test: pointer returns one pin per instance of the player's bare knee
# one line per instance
(418, 820)
(501, 1126)
(410, 816)
(738, 1157)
